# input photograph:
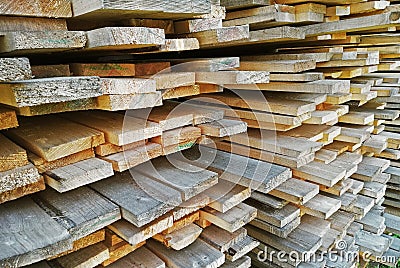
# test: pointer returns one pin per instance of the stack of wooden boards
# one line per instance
(298, 138)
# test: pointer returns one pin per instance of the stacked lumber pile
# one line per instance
(199, 133)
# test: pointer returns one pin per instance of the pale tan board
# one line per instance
(118, 128)
(52, 137)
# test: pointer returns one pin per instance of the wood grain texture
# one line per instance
(20, 43)
(152, 199)
(81, 211)
(11, 155)
(142, 257)
(49, 90)
(14, 69)
(75, 175)
(8, 118)
(37, 8)
(61, 138)
(18, 177)
(29, 230)
(198, 253)
(118, 129)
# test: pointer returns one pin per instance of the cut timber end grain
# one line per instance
(11, 155)
(43, 232)
(81, 211)
(13, 69)
(60, 138)
(180, 44)
(46, 41)
(37, 8)
(124, 37)
(75, 175)
(8, 118)
(21, 191)
(321, 206)
(49, 90)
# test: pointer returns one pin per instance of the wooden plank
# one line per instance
(278, 66)
(17, 23)
(320, 173)
(75, 175)
(266, 140)
(20, 43)
(247, 172)
(118, 129)
(198, 253)
(223, 128)
(81, 211)
(231, 220)
(127, 86)
(179, 92)
(119, 251)
(88, 257)
(118, 69)
(281, 232)
(243, 262)
(129, 158)
(20, 191)
(46, 71)
(42, 165)
(135, 235)
(255, 101)
(320, 86)
(213, 37)
(221, 239)
(189, 180)
(8, 118)
(167, 80)
(65, 137)
(29, 242)
(243, 76)
(128, 102)
(49, 90)
(225, 195)
(142, 257)
(180, 239)
(109, 148)
(321, 206)
(178, 135)
(296, 191)
(241, 248)
(124, 38)
(83, 242)
(154, 199)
